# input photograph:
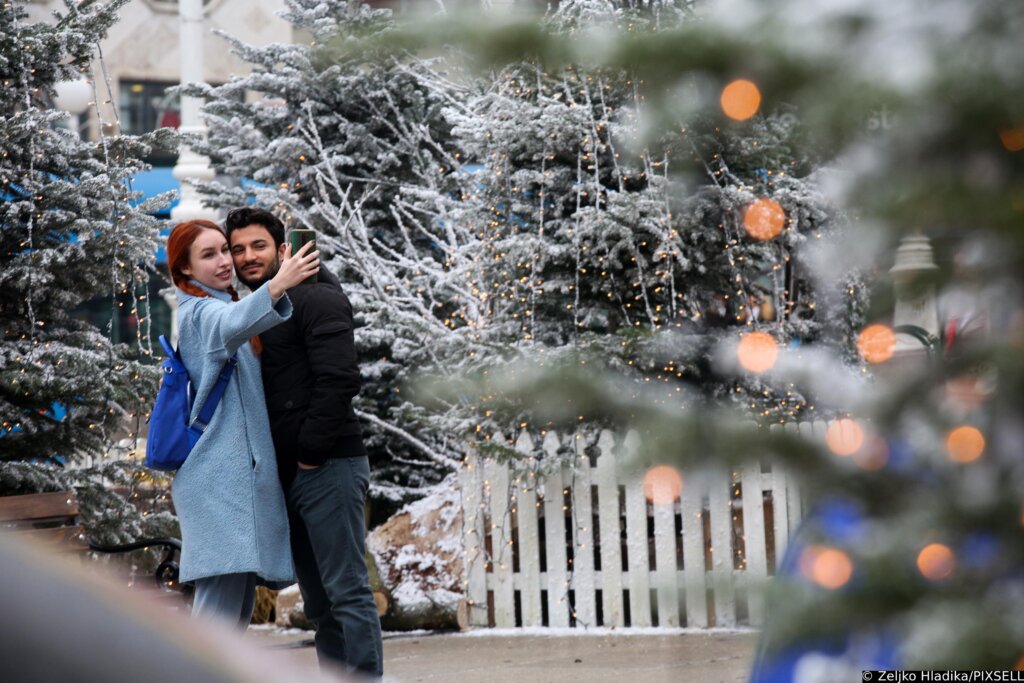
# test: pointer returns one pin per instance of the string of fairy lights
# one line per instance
(28, 190)
(589, 162)
(139, 277)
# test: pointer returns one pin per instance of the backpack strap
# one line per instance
(168, 349)
(199, 425)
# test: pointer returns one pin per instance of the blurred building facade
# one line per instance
(141, 58)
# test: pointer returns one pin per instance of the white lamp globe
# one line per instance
(73, 96)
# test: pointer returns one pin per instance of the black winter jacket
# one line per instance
(310, 377)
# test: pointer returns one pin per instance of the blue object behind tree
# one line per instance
(839, 521)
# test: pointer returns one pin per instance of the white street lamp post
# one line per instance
(191, 166)
(916, 306)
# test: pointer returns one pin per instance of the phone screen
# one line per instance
(297, 238)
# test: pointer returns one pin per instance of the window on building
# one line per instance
(146, 106)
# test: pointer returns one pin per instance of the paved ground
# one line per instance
(472, 658)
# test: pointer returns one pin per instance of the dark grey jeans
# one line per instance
(226, 597)
(325, 510)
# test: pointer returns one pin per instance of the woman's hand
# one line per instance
(294, 269)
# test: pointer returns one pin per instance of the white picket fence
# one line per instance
(539, 552)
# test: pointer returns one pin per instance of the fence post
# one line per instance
(723, 568)
(780, 506)
(501, 543)
(584, 603)
(756, 565)
(637, 552)
(611, 550)
(473, 562)
(529, 541)
(554, 539)
(694, 572)
(666, 576)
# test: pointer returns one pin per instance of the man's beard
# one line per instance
(268, 274)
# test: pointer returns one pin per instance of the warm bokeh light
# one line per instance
(844, 437)
(965, 444)
(876, 343)
(662, 484)
(740, 100)
(936, 562)
(969, 392)
(1019, 666)
(827, 567)
(874, 455)
(1012, 138)
(757, 351)
(764, 219)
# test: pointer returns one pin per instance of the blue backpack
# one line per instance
(171, 437)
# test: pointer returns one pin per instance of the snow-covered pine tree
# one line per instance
(68, 234)
(632, 250)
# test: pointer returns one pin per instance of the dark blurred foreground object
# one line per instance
(51, 519)
(63, 624)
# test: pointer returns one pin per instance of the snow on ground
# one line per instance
(533, 631)
(278, 630)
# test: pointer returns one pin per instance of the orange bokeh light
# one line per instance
(876, 343)
(936, 562)
(968, 392)
(757, 351)
(844, 437)
(1012, 139)
(764, 219)
(740, 100)
(965, 444)
(874, 455)
(662, 484)
(827, 567)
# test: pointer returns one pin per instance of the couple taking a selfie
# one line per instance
(274, 489)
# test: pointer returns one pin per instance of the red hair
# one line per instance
(179, 251)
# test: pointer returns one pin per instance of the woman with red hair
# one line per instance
(229, 502)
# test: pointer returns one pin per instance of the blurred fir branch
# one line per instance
(916, 112)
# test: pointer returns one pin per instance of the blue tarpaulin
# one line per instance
(151, 183)
(157, 181)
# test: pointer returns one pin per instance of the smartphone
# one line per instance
(299, 237)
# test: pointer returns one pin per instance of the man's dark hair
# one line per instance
(245, 216)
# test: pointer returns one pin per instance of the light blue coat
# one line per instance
(227, 494)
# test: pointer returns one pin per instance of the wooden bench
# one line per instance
(51, 520)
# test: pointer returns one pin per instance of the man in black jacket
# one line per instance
(310, 377)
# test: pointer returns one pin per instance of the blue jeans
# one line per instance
(325, 510)
(228, 597)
